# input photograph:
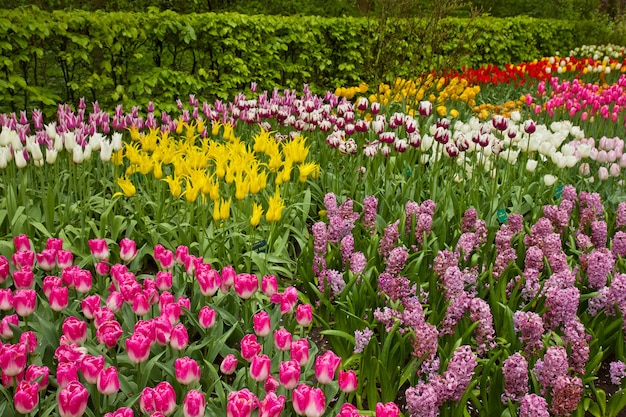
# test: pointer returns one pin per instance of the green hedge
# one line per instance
(133, 58)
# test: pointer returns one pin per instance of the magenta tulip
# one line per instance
(47, 259)
(5, 268)
(167, 397)
(39, 375)
(24, 302)
(269, 285)
(141, 306)
(109, 333)
(65, 258)
(249, 347)
(272, 405)
(22, 243)
(261, 323)
(206, 317)
(241, 403)
(108, 383)
(90, 367)
(90, 305)
(300, 351)
(229, 364)
(187, 370)
(326, 366)
(6, 299)
(179, 339)
(246, 285)
(138, 348)
(59, 298)
(74, 330)
(24, 260)
(260, 367)
(26, 397)
(66, 373)
(121, 412)
(30, 340)
(24, 279)
(289, 374)
(72, 400)
(164, 280)
(13, 359)
(99, 249)
(347, 381)
(128, 250)
(304, 314)
(209, 281)
(271, 384)
(282, 339)
(194, 404)
(389, 409)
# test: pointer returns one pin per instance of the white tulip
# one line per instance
(6, 136)
(116, 141)
(51, 155)
(531, 165)
(5, 156)
(549, 179)
(86, 153)
(77, 154)
(20, 159)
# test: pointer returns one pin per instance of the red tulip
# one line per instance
(72, 400)
(26, 397)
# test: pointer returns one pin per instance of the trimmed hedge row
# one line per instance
(133, 58)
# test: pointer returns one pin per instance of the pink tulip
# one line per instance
(171, 312)
(304, 314)
(24, 279)
(261, 323)
(54, 243)
(6, 332)
(99, 249)
(164, 280)
(138, 348)
(65, 258)
(289, 374)
(39, 375)
(128, 250)
(121, 412)
(72, 400)
(101, 316)
(389, 409)
(228, 278)
(309, 402)
(300, 351)
(206, 317)
(49, 283)
(194, 404)
(26, 397)
(269, 285)
(66, 372)
(241, 403)
(6, 299)
(115, 301)
(24, 260)
(148, 401)
(272, 405)
(146, 328)
(229, 364)
(282, 339)
(47, 259)
(348, 410)
(13, 359)
(141, 307)
(184, 303)
(90, 305)
(83, 281)
(75, 330)
(249, 347)
(59, 298)
(90, 367)
(347, 381)
(271, 384)
(187, 370)
(209, 281)
(108, 383)
(70, 353)
(260, 367)
(163, 330)
(182, 253)
(164, 257)
(179, 339)
(167, 397)
(102, 268)
(22, 243)
(109, 333)
(30, 340)
(5, 269)
(246, 285)
(24, 302)
(326, 366)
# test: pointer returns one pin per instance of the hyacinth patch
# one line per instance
(448, 245)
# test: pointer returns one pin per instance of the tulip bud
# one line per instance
(229, 364)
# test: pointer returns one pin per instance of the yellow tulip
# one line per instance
(128, 189)
(275, 209)
(215, 127)
(310, 168)
(175, 185)
(216, 210)
(225, 209)
(257, 212)
(442, 111)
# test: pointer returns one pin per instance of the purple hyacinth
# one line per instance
(533, 405)
(422, 400)
(389, 240)
(620, 218)
(346, 248)
(457, 307)
(357, 263)
(566, 395)
(562, 305)
(553, 366)
(530, 325)
(617, 370)
(599, 233)
(600, 263)
(459, 374)
(396, 260)
(619, 244)
(515, 371)
(481, 313)
(362, 339)
(370, 204)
